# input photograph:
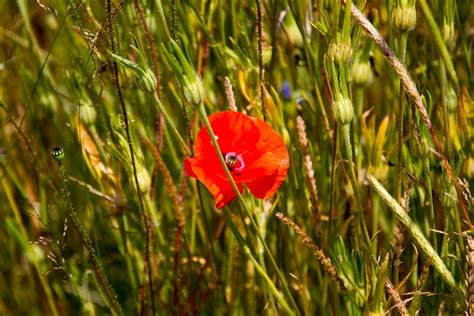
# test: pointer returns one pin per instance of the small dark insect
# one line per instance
(57, 153)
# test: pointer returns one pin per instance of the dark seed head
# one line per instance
(57, 153)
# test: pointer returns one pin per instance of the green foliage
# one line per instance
(88, 228)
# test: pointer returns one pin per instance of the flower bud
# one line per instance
(193, 89)
(144, 76)
(361, 73)
(343, 110)
(404, 18)
(146, 80)
(340, 50)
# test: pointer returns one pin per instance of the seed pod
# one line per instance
(57, 153)
(361, 73)
(404, 18)
(343, 110)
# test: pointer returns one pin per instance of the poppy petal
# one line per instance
(233, 130)
(266, 186)
(270, 140)
(220, 188)
(268, 162)
(264, 165)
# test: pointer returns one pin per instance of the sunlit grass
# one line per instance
(373, 217)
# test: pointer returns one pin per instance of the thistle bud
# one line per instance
(361, 73)
(340, 50)
(404, 17)
(343, 110)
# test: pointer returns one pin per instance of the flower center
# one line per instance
(233, 161)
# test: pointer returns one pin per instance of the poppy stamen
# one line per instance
(231, 160)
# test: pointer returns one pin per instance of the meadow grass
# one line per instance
(372, 99)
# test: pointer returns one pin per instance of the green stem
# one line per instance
(19, 220)
(87, 242)
(346, 26)
(207, 124)
(161, 109)
(355, 187)
(415, 231)
(438, 39)
(444, 97)
(259, 268)
(403, 49)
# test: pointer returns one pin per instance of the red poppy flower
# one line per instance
(254, 153)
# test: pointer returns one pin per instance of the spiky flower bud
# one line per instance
(340, 50)
(343, 110)
(361, 73)
(404, 17)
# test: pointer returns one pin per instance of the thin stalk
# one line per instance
(257, 265)
(161, 109)
(42, 277)
(143, 213)
(162, 18)
(358, 106)
(418, 237)
(438, 39)
(444, 100)
(87, 242)
(261, 73)
(207, 124)
(211, 246)
(355, 187)
(401, 103)
(333, 179)
(412, 92)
